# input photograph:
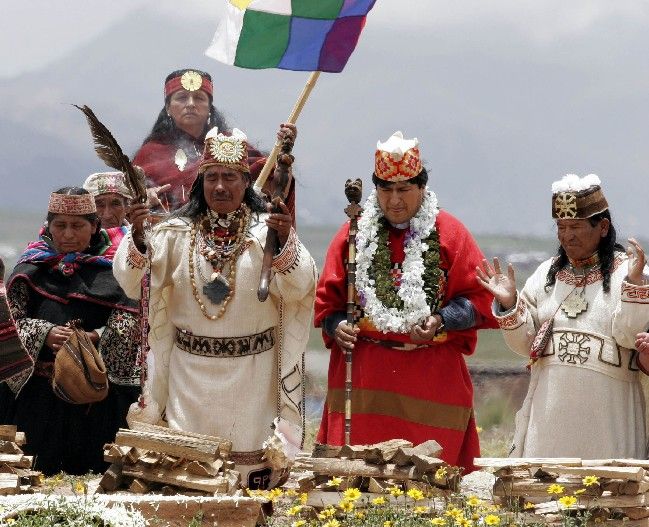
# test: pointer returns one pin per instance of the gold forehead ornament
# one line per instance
(191, 81)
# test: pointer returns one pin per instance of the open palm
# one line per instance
(502, 286)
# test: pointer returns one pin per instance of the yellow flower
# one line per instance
(387, 523)
(304, 497)
(473, 501)
(79, 487)
(466, 523)
(360, 515)
(492, 519)
(346, 506)
(440, 473)
(298, 523)
(567, 501)
(332, 523)
(395, 491)
(555, 489)
(329, 512)
(9, 521)
(478, 429)
(275, 494)
(590, 480)
(415, 494)
(291, 493)
(438, 521)
(378, 501)
(352, 494)
(293, 511)
(528, 506)
(334, 482)
(579, 491)
(421, 510)
(455, 513)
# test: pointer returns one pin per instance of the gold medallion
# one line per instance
(574, 305)
(191, 81)
(180, 159)
(227, 149)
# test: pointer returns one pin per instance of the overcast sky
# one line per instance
(34, 32)
(502, 93)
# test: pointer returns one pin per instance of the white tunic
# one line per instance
(584, 398)
(234, 397)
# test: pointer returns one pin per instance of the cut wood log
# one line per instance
(233, 478)
(382, 453)
(133, 456)
(524, 462)
(9, 484)
(112, 478)
(114, 453)
(178, 477)
(377, 486)
(535, 488)
(636, 513)
(168, 490)
(634, 487)
(204, 469)
(7, 469)
(17, 460)
(305, 482)
(426, 464)
(352, 467)
(605, 501)
(224, 445)
(644, 463)
(139, 486)
(9, 447)
(151, 459)
(628, 473)
(21, 439)
(352, 451)
(8, 433)
(429, 448)
(185, 447)
(321, 450)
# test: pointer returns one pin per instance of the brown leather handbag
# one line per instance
(79, 371)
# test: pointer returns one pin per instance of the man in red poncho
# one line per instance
(418, 311)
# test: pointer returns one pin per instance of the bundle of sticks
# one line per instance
(613, 491)
(16, 474)
(152, 458)
(373, 469)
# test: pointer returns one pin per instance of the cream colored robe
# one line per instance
(236, 398)
(584, 398)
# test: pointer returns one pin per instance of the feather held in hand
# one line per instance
(110, 152)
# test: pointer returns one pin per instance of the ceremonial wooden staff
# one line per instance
(354, 192)
(310, 83)
(281, 186)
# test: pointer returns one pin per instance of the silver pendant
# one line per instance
(180, 159)
(574, 305)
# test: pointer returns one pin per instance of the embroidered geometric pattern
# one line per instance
(572, 348)
(75, 205)
(226, 347)
(592, 277)
(134, 258)
(515, 319)
(565, 205)
(388, 168)
(289, 257)
(634, 293)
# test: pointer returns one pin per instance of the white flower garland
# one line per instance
(411, 288)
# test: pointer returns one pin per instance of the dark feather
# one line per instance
(110, 152)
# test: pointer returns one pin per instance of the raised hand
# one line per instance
(502, 286)
(636, 255)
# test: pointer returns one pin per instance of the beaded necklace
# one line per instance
(221, 251)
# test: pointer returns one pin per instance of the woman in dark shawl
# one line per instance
(66, 275)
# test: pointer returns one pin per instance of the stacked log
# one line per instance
(615, 491)
(152, 458)
(373, 469)
(16, 474)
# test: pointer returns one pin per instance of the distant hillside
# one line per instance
(496, 127)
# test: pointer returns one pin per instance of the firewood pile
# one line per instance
(373, 469)
(16, 474)
(155, 459)
(616, 491)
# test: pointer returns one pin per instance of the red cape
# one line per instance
(416, 395)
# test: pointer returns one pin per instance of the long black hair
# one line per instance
(605, 250)
(97, 239)
(197, 206)
(165, 130)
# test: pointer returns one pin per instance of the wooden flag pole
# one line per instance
(270, 162)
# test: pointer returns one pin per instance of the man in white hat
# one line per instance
(576, 318)
(418, 312)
